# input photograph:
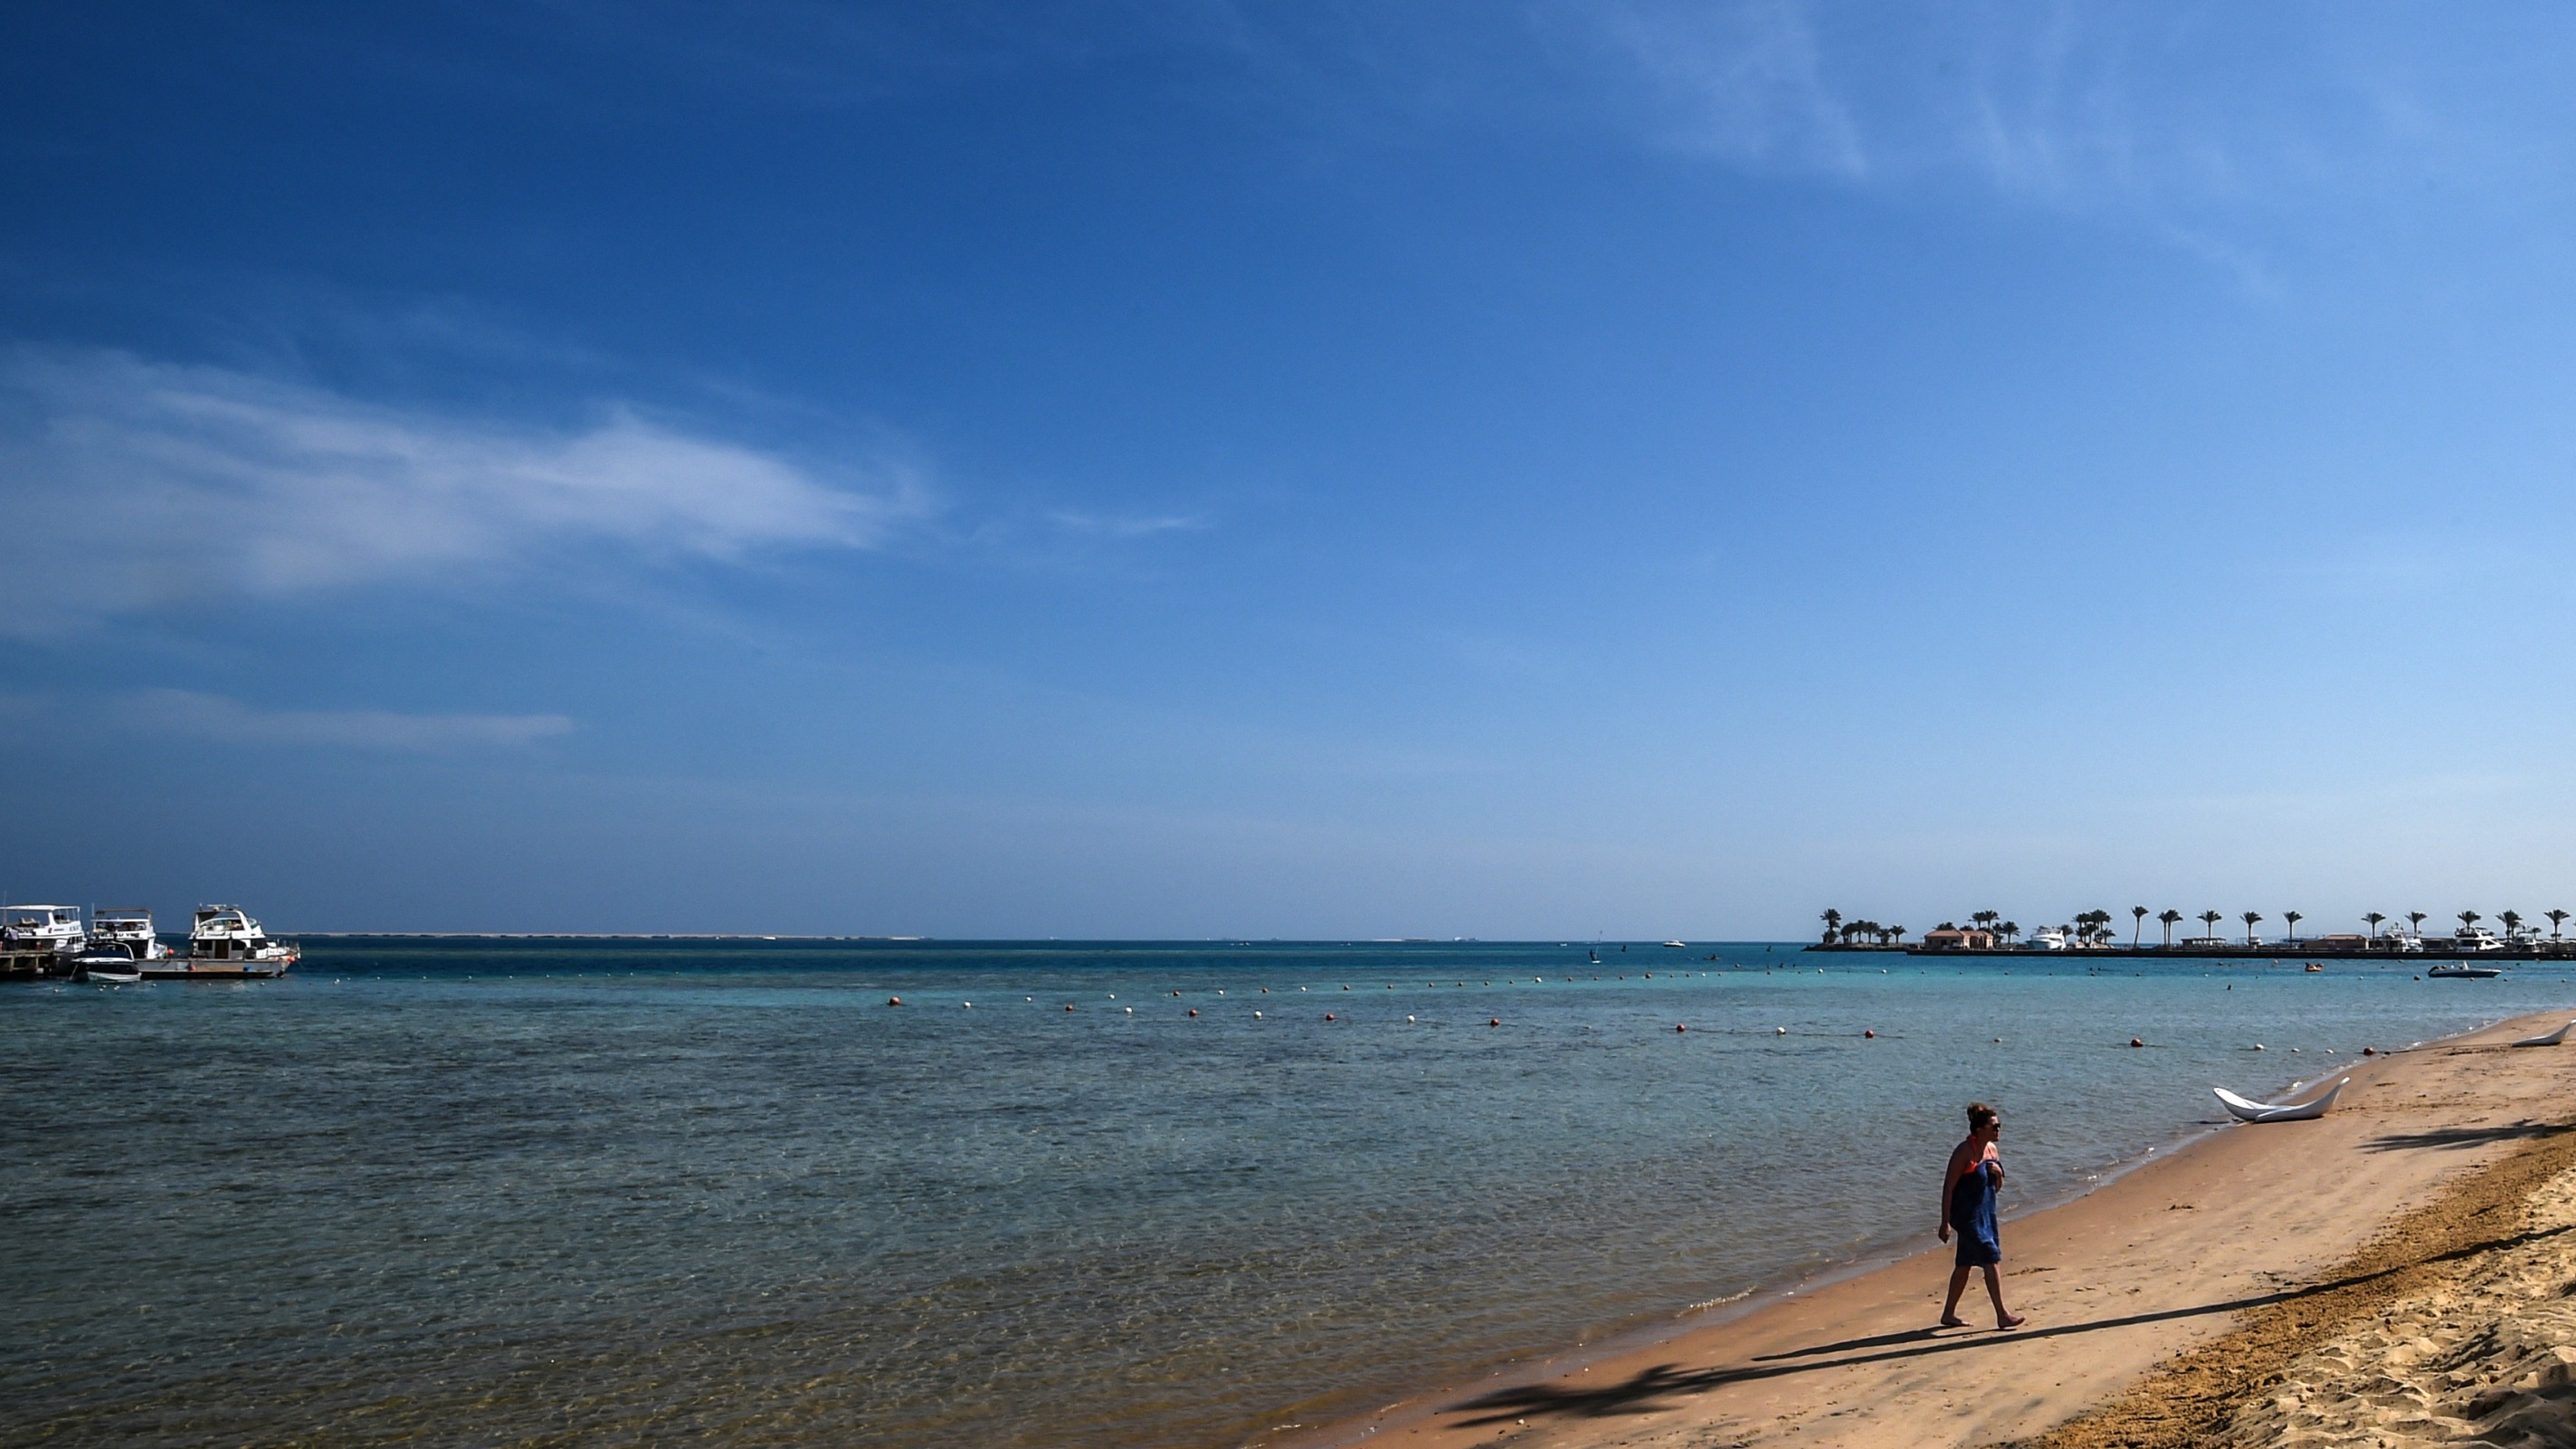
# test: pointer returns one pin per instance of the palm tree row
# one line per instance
(1851, 933)
(2092, 928)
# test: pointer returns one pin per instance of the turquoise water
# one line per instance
(611, 1192)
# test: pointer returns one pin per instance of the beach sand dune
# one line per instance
(2257, 1272)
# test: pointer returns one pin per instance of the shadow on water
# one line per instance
(1642, 1392)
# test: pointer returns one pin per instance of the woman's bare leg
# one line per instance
(1994, 1290)
(1950, 1311)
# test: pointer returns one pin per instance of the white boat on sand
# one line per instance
(2246, 1110)
(2548, 1038)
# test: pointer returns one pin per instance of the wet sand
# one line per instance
(2311, 1237)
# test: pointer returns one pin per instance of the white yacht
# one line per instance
(2476, 938)
(225, 941)
(131, 929)
(2047, 938)
(45, 928)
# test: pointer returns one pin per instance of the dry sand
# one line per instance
(2373, 1273)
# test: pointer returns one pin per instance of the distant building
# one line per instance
(1953, 939)
(2336, 943)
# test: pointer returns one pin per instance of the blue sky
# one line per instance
(1203, 469)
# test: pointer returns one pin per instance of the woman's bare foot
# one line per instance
(2010, 1320)
(1950, 1322)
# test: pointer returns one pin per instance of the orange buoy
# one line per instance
(894, 1001)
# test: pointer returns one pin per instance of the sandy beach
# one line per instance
(2392, 1270)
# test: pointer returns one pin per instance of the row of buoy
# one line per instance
(1867, 1034)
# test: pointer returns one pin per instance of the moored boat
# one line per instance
(44, 928)
(2462, 973)
(110, 962)
(130, 927)
(224, 942)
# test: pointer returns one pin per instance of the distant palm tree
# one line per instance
(1898, 932)
(2556, 919)
(2138, 922)
(2374, 918)
(2512, 925)
(2010, 929)
(2209, 923)
(2250, 918)
(1833, 925)
(2416, 919)
(2166, 919)
(2468, 919)
(2291, 919)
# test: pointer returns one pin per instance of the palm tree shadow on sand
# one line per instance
(1656, 1389)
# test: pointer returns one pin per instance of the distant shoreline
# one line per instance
(2266, 951)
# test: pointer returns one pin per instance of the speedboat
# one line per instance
(2463, 973)
(108, 961)
(1676, 945)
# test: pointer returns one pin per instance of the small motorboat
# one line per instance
(110, 962)
(2246, 1110)
(1675, 946)
(2462, 973)
(2547, 1039)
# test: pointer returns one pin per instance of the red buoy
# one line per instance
(894, 1001)
(1497, 1021)
(2133, 1041)
(1328, 1016)
(1677, 1026)
(1868, 1035)
(1194, 1011)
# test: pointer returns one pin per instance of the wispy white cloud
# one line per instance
(1742, 82)
(138, 485)
(1126, 526)
(222, 719)
(2167, 110)
(229, 721)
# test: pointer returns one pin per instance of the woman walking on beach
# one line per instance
(1968, 1204)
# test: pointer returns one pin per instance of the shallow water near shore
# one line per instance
(614, 1191)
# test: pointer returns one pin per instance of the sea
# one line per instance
(1187, 1194)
